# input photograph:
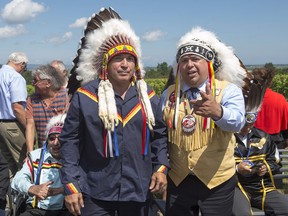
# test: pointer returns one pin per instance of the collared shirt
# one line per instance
(243, 139)
(12, 89)
(186, 89)
(41, 114)
(50, 172)
(232, 104)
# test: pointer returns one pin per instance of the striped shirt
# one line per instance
(41, 114)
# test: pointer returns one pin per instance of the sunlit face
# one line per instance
(54, 145)
(121, 68)
(40, 84)
(194, 70)
(20, 67)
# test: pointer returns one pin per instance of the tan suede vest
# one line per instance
(208, 154)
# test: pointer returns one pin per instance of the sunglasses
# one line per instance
(53, 138)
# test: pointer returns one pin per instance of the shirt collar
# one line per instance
(48, 156)
(201, 87)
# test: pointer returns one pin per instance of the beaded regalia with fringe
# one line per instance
(222, 63)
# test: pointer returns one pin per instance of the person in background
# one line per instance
(257, 158)
(4, 183)
(202, 113)
(273, 116)
(114, 148)
(61, 68)
(13, 95)
(48, 100)
(39, 178)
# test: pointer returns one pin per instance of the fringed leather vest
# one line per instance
(206, 153)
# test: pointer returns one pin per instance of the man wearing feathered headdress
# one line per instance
(202, 110)
(114, 143)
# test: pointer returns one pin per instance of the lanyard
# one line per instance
(43, 151)
(248, 154)
(37, 180)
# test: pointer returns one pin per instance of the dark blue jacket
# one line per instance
(123, 178)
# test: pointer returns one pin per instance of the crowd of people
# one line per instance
(23, 124)
(103, 142)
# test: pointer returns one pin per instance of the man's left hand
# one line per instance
(158, 182)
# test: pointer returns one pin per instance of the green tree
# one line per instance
(282, 71)
(150, 73)
(269, 66)
(28, 77)
(161, 71)
(280, 84)
(30, 89)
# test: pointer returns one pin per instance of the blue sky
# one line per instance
(51, 29)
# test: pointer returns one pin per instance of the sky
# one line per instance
(51, 29)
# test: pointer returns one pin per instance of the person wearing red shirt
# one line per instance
(273, 116)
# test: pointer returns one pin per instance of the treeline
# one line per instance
(161, 71)
(161, 74)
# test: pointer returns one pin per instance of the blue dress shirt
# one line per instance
(12, 89)
(232, 103)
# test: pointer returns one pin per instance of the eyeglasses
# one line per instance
(24, 65)
(53, 138)
(35, 81)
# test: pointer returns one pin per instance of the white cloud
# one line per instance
(8, 31)
(60, 39)
(20, 11)
(153, 35)
(81, 22)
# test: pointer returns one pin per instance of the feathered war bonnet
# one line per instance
(55, 125)
(258, 83)
(222, 62)
(105, 36)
